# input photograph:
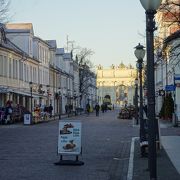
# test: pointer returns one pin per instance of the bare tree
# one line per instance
(85, 70)
(165, 48)
(171, 12)
(84, 56)
(4, 11)
(171, 50)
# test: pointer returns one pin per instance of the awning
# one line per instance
(5, 90)
(27, 94)
(22, 93)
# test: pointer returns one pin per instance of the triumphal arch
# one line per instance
(116, 84)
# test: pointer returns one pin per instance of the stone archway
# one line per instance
(121, 94)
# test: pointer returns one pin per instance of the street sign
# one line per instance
(69, 139)
(170, 88)
(177, 78)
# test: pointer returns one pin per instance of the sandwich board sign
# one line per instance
(69, 138)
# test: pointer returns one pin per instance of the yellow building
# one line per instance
(115, 84)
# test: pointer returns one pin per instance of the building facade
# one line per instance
(35, 72)
(115, 84)
(167, 54)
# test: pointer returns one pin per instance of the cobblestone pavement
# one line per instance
(165, 168)
(29, 152)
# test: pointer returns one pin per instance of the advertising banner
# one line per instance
(177, 78)
(69, 139)
(27, 119)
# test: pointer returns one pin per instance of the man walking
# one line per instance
(50, 110)
(97, 107)
(87, 108)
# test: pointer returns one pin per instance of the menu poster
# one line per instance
(69, 139)
(178, 111)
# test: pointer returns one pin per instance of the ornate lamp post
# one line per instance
(140, 53)
(48, 93)
(60, 101)
(136, 100)
(151, 7)
(31, 86)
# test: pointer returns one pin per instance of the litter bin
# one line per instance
(27, 119)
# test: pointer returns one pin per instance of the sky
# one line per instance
(110, 28)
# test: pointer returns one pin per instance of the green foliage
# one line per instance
(168, 107)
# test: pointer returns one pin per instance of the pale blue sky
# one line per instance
(109, 27)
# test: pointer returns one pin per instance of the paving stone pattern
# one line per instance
(29, 152)
(165, 168)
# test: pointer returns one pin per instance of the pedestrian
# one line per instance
(8, 113)
(102, 108)
(50, 110)
(66, 108)
(145, 109)
(97, 107)
(87, 108)
(105, 107)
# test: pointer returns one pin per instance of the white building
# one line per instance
(36, 70)
(166, 58)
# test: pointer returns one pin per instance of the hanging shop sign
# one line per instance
(170, 88)
(177, 78)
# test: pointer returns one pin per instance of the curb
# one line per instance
(131, 159)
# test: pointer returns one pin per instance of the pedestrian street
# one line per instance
(29, 152)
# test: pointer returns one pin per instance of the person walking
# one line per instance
(97, 107)
(145, 109)
(8, 113)
(50, 110)
(102, 108)
(87, 108)
(66, 108)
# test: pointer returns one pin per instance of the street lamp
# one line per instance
(31, 86)
(140, 53)
(136, 100)
(151, 6)
(60, 101)
(48, 93)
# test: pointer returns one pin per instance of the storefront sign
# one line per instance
(69, 140)
(170, 88)
(177, 78)
(27, 119)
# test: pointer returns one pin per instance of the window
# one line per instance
(1, 65)
(5, 66)
(27, 74)
(15, 69)
(10, 68)
(40, 76)
(20, 70)
(30, 46)
(25, 71)
(36, 75)
(30, 74)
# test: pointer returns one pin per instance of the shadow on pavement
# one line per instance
(165, 168)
